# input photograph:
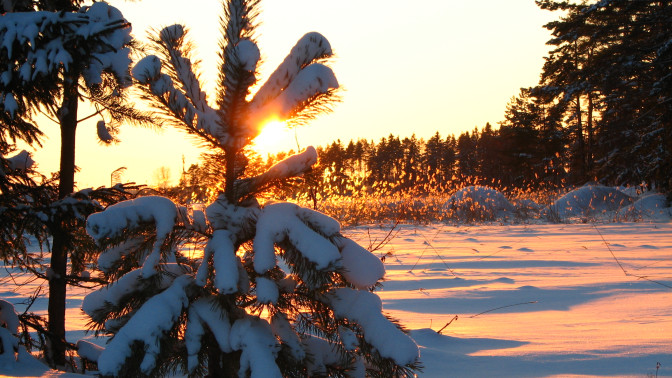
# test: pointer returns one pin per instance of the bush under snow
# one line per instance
(588, 201)
(478, 203)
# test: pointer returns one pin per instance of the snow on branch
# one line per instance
(223, 215)
(202, 312)
(254, 337)
(177, 50)
(202, 119)
(292, 166)
(110, 257)
(129, 283)
(21, 161)
(89, 350)
(193, 335)
(147, 69)
(47, 40)
(10, 104)
(224, 260)
(323, 354)
(365, 308)
(311, 47)
(281, 221)
(104, 134)
(286, 333)
(360, 267)
(8, 343)
(148, 325)
(248, 54)
(238, 58)
(8, 318)
(312, 81)
(132, 214)
(267, 291)
(216, 319)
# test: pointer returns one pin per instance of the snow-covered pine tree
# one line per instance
(29, 207)
(278, 291)
(54, 54)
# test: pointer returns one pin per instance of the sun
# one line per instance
(275, 136)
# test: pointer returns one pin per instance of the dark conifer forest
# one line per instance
(602, 111)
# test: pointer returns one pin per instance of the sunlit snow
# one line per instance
(531, 300)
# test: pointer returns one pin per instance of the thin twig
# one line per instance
(627, 274)
(89, 116)
(438, 255)
(447, 324)
(501, 307)
(372, 248)
(425, 249)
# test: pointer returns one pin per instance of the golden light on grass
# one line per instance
(270, 140)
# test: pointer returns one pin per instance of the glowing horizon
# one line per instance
(404, 70)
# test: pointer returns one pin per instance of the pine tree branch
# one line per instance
(292, 166)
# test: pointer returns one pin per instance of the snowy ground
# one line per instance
(571, 308)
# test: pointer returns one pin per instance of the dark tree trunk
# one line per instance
(59, 251)
(580, 157)
(230, 174)
(589, 131)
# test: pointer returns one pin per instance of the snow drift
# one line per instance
(588, 201)
(479, 203)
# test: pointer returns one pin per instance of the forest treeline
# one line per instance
(602, 111)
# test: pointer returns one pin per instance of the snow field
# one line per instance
(533, 300)
(572, 310)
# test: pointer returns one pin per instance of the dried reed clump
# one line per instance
(466, 201)
(469, 200)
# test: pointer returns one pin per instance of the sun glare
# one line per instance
(272, 139)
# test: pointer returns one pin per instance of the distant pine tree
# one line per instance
(609, 75)
(278, 290)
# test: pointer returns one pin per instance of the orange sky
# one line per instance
(437, 65)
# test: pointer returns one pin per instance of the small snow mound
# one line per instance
(588, 200)
(479, 203)
(649, 207)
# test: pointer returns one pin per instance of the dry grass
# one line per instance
(385, 203)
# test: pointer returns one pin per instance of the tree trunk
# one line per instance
(59, 255)
(589, 131)
(580, 157)
(230, 174)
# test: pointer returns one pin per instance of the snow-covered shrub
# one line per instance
(650, 206)
(587, 201)
(274, 289)
(9, 326)
(479, 203)
(526, 209)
